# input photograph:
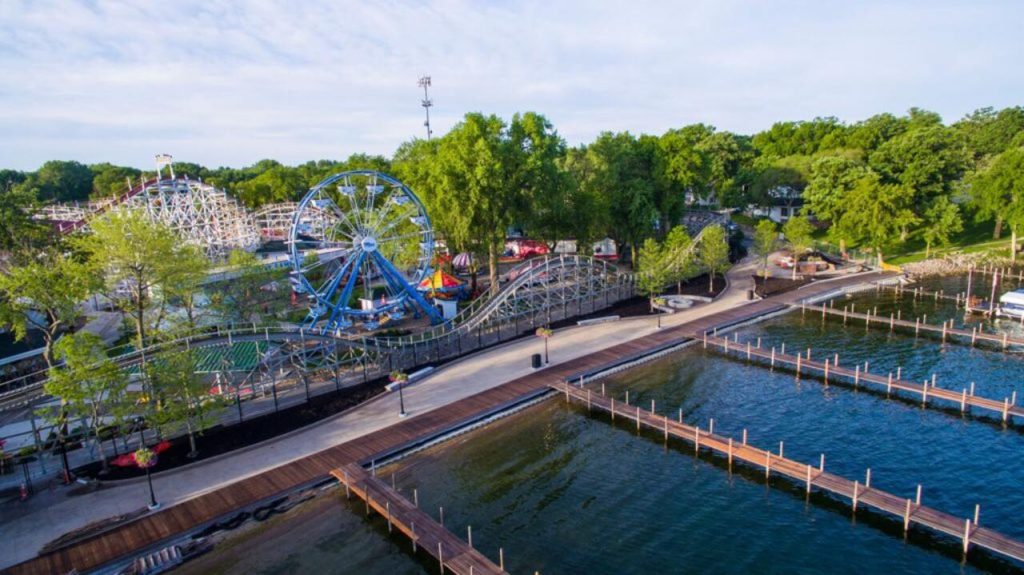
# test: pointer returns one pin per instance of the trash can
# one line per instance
(537, 362)
(750, 294)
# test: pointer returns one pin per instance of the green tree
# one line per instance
(941, 220)
(45, 295)
(724, 156)
(799, 234)
(179, 396)
(927, 162)
(623, 179)
(797, 138)
(251, 294)
(831, 180)
(998, 192)
(90, 386)
(588, 212)
(766, 237)
(714, 252)
(110, 181)
(137, 257)
(875, 131)
(679, 256)
(549, 190)
(651, 270)
(987, 132)
(60, 181)
(877, 214)
(20, 235)
(477, 183)
(276, 184)
(682, 163)
(184, 283)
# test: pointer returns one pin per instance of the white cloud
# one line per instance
(228, 83)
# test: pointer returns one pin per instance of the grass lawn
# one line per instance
(976, 237)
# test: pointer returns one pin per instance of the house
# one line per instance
(783, 203)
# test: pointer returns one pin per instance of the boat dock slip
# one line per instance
(856, 375)
(909, 511)
(892, 321)
(452, 553)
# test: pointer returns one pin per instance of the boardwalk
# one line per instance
(161, 527)
(944, 331)
(829, 370)
(452, 553)
(860, 493)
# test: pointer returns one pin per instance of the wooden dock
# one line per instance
(452, 554)
(893, 321)
(861, 493)
(176, 521)
(829, 370)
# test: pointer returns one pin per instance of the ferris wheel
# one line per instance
(361, 241)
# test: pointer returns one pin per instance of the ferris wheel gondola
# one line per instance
(361, 235)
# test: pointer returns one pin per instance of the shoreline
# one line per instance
(234, 538)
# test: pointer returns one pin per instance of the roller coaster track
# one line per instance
(533, 287)
(534, 293)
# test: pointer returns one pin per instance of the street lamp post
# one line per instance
(545, 332)
(146, 458)
(401, 399)
(400, 378)
(153, 505)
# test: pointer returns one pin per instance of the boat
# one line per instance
(1011, 304)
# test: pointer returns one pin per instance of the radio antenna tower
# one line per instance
(427, 102)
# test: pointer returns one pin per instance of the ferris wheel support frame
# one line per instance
(349, 270)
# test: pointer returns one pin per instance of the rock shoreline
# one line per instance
(959, 264)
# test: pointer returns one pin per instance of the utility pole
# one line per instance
(427, 102)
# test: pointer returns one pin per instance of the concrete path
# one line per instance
(24, 528)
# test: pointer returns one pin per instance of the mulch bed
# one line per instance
(222, 439)
(765, 287)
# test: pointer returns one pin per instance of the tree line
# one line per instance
(876, 183)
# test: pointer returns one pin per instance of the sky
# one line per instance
(229, 83)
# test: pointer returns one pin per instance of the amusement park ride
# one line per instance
(198, 212)
(359, 242)
(373, 235)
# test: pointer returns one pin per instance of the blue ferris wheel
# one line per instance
(360, 243)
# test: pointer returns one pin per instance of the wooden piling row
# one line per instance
(798, 472)
(944, 331)
(453, 554)
(1004, 408)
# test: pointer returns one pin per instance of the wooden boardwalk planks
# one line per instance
(452, 553)
(859, 493)
(182, 518)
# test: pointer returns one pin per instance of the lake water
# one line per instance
(565, 492)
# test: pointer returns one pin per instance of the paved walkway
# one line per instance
(24, 529)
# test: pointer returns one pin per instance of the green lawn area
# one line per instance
(976, 237)
(742, 219)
